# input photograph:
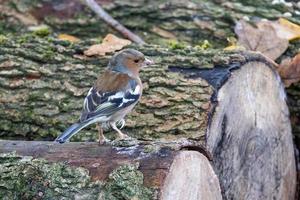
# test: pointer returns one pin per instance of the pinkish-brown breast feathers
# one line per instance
(111, 81)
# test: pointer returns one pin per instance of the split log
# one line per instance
(234, 99)
(257, 147)
(167, 173)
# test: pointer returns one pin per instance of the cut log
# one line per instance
(172, 174)
(252, 151)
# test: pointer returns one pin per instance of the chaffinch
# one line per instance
(113, 95)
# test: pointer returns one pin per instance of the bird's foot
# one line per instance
(123, 137)
(103, 141)
(125, 142)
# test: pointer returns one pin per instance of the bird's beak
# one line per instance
(147, 62)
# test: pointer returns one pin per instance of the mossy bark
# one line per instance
(44, 81)
(27, 63)
(43, 84)
(25, 177)
(125, 170)
(191, 23)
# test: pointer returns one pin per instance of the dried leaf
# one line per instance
(69, 38)
(263, 39)
(163, 33)
(110, 43)
(286, 29)
(289, 70)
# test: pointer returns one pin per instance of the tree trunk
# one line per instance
(166, 172)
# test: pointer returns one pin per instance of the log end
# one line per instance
(191, 177)
(250, 135)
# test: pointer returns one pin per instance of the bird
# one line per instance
(114, 94)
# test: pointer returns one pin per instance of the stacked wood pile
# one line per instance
(235, 107)
(212, 124)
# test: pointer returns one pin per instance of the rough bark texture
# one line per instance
(89, 171)
(190, 22)
(184, 92)
(42, 90)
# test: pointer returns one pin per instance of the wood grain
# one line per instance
(250, 136)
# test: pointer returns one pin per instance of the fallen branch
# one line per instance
(113, 23)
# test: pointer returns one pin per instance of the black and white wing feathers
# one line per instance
(104, 104)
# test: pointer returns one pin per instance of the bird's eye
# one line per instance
(136, 61)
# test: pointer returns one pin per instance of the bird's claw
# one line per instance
(123, 137)
(103, 141)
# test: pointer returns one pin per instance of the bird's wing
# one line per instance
(104, 104)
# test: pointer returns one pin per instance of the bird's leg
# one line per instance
(121, 135)
(102, 138)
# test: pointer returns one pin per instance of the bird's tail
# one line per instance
(72, 130)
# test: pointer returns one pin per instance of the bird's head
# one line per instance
(129, 61)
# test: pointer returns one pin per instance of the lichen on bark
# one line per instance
(24, 177)
(192, 22)
(126, 183)
(51, 82)
(29, 178)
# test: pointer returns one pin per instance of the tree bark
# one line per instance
(234, 99)
(167, 171)
(43, 91)
(43, 84)
(189, 21)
